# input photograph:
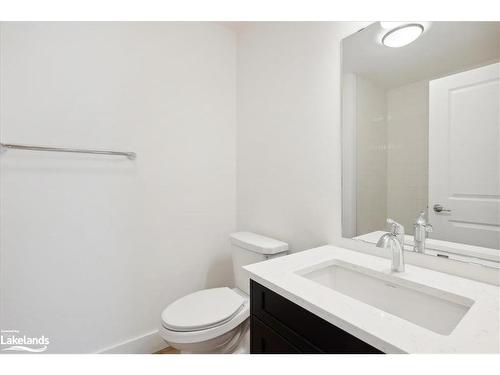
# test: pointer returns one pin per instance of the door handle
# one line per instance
(439, 208)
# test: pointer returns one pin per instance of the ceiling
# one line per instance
(444, 48)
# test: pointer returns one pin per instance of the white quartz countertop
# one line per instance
(477, 332)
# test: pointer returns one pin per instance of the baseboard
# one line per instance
(146, 344)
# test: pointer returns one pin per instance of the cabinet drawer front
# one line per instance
(264, 340)
(300, 327)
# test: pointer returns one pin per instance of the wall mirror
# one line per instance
(421, 136)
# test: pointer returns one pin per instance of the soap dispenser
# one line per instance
(420, 233)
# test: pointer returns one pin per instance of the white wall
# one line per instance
(391, 154)
(349, 155)
(408, 151)
(371, 158)
(94, 247)
(289, 161)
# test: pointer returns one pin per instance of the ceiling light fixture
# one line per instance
(402, 35)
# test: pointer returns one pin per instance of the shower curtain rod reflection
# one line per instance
(129, 155)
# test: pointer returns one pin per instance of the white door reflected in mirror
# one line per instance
(464, 156)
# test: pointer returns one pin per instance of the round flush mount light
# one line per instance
(402, 35)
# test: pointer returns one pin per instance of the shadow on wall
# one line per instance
(220, 272)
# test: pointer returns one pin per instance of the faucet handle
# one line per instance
(396, 228)
(391, 222)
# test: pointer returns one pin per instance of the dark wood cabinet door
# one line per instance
(264, 340)
(306, 332)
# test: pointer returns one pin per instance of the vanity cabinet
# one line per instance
(279, 326)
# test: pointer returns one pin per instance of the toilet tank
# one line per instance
(248, 248)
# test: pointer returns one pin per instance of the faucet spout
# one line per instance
(398, 262)
(395, 242)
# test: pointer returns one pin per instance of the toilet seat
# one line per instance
(232, 310)
(202, 310)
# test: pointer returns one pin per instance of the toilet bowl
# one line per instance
(216, 320)
(222, 331)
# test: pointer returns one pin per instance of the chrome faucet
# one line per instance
(394, 240)
(420, 232)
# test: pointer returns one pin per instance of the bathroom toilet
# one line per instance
(216, 320)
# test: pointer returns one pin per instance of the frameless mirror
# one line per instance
(421, 136)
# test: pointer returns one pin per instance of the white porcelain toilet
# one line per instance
(216, 320)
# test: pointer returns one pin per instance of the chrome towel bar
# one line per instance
(129, 155)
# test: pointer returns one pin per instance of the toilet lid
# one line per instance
(202, 309)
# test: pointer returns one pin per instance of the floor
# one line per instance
(168, 350)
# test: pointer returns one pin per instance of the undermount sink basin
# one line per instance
(431, 308)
